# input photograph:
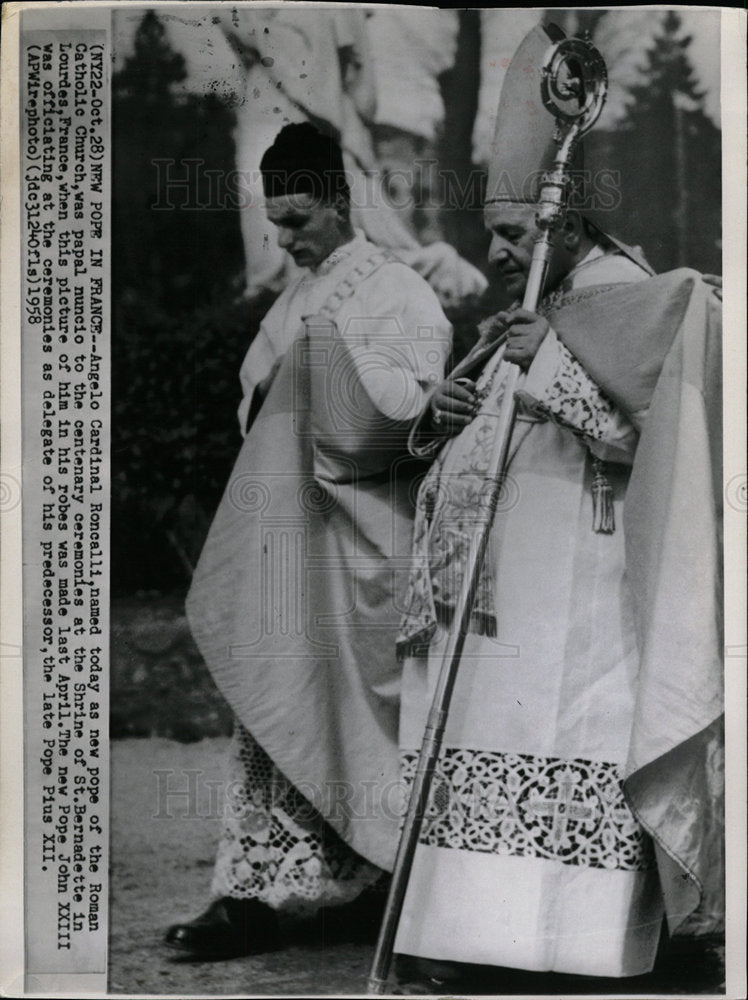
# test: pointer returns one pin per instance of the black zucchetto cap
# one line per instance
(302, 160)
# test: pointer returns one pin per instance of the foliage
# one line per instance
(148, 75)
(669, 154)
(175, 433)
(168, 222)
(180, 328)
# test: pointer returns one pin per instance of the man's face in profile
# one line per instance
(308, 227)
(513, 233)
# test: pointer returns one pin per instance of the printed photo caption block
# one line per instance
(65, 212)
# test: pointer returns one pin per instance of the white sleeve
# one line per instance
(400, 341)
(558, 388)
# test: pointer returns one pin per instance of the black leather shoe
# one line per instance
(229, 928)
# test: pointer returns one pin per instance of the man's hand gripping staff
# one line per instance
(454, 404)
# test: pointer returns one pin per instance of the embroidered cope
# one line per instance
(530, 856)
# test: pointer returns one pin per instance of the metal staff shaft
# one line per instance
(437, 718)
(550, 211)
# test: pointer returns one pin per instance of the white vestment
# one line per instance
(296, 598)
(529, 857)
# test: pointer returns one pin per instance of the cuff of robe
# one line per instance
(540, 374)
(425, 440)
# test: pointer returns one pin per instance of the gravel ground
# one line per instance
(161, 871)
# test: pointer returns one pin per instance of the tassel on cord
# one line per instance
(603, 517)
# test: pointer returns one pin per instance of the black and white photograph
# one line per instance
(373, 500)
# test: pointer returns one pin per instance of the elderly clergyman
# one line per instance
(577, 799)
(296, 599)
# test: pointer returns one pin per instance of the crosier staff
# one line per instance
(573, 89)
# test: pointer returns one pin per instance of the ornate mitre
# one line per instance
(524, 145)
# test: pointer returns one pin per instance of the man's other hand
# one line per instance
(453, 405)
(526, 331)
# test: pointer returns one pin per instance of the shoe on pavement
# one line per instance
(229, 928)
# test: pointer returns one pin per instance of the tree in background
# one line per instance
(670, 160)
(173, 155)
(179, 331)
